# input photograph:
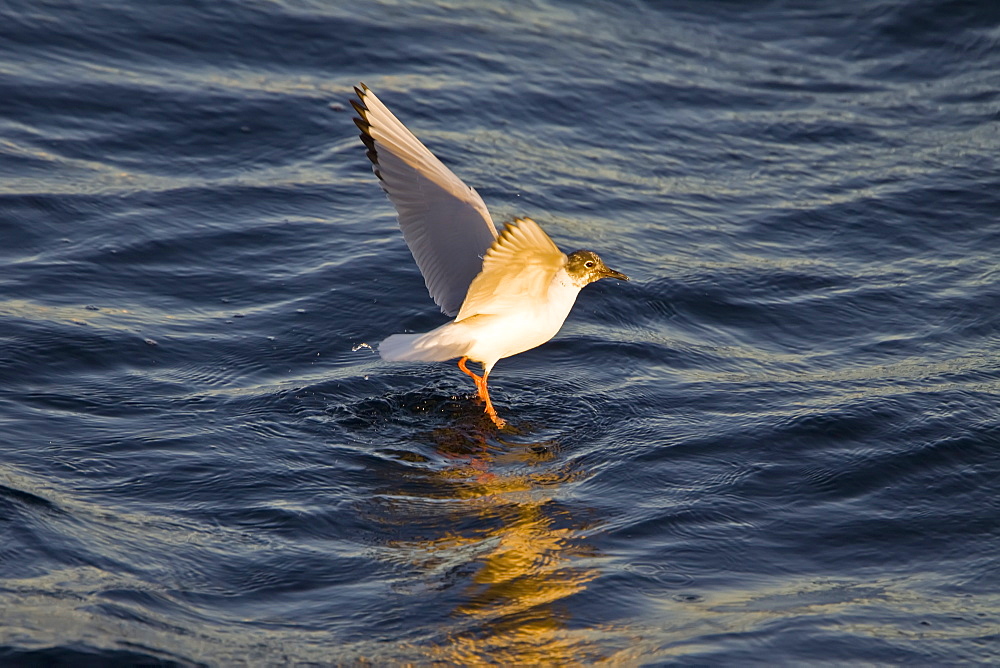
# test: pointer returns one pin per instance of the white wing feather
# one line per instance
(445, 222)
(519, 266)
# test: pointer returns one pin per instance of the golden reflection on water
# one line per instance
(520, 555)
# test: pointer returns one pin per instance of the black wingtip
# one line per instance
(363, 124)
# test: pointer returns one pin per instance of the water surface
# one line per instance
(778, 443)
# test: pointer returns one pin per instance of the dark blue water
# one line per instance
(779, 443)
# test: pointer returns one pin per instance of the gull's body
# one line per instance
(490, 336)
(508, 293)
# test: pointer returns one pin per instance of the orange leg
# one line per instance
(482, 391)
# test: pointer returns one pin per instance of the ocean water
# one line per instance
(779, 443)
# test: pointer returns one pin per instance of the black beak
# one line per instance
(611, 273)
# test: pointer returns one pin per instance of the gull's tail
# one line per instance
(436, 345)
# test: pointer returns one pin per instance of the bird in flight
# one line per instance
(508, 292)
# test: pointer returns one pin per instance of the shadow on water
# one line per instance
(487, 528)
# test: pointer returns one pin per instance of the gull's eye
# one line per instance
(589, 264)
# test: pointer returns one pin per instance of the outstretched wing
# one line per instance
(519, 265)
(445, 222)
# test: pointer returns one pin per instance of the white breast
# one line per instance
(530, 325)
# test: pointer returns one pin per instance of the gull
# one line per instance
(508, 292)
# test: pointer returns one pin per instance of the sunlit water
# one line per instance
(778, 443)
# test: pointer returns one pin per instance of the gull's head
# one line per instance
(586, 266)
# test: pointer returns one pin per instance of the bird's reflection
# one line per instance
(497, 535)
